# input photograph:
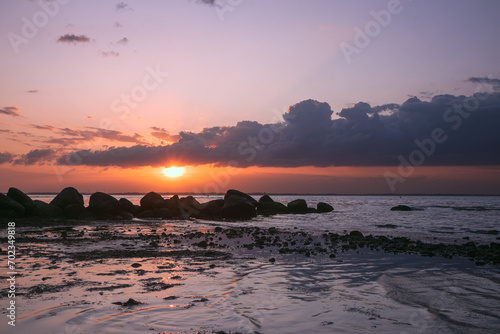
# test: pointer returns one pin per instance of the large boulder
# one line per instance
(238, 208)
(103, 204)
(189, 207)
(401, 208)
(73, 211)
(211, 210)
(21, 198)
(172, 204)
(66, 197)
(10, 208)
(44, 210)
(324, 207)
(127, 206)
(232, 192)
(298, 206)
(268, 207)
(152, 201)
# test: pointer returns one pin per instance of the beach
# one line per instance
(200, 276)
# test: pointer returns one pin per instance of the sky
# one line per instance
(282, 96)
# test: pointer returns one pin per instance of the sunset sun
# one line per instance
(173, 171)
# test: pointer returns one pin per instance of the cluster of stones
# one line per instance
(69, 204)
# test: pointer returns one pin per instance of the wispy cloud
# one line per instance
(162, 134)
(123, 41)
(10, 111)
(123, 6)
(109, 53)
(33, 91)
(495, 83)
(71, 38)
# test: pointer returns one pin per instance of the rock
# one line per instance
(126, 215)
(103, 204)
(211, 210)
(232, 192)
(21, 198)
(163, 213)
(268, 207)
(238, 208)
(87, 215)
(127, 206)
(401, 208)
(152, 201)
(146, 214)
(44, 210)
(298, 206)
(356, 235)
(173, 205)
(10, 208)
(128, 303)
(66, 197)
(324, 207)
(266, 199)
(73, 211)
(189, 207)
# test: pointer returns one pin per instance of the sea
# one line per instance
(359, 291)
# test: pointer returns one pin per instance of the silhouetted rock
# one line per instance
(87, 215)
(128, 303)
(211, 209)
(172, 204)
(401, 208)
(44, 210)
(238, 208)
(163, 213)
(127, 206)
(21, 198)
(266, 199)
(103, 205)
(146, 214)
(189, 207)
(10, 208)
(152, 201)
(324, 207)
(298, 206)
(268, 207)
(73, 211)
(232, 192)
(66, 197)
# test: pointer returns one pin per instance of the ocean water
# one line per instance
(436, 218)
(360, 291)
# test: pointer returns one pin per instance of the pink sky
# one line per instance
(98, 76)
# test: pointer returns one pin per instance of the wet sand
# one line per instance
(195, 277)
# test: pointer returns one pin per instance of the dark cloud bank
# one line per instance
(448, 130)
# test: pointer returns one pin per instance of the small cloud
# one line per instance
(10, 111)
(33, 91)
(208, 2)
(5, 157)
(117, 25)
(36, 156)
(123, 6)
(71, 38)
(109, 54)
(90, 117)
(123, 41)
(43, 127)
(495, 83)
